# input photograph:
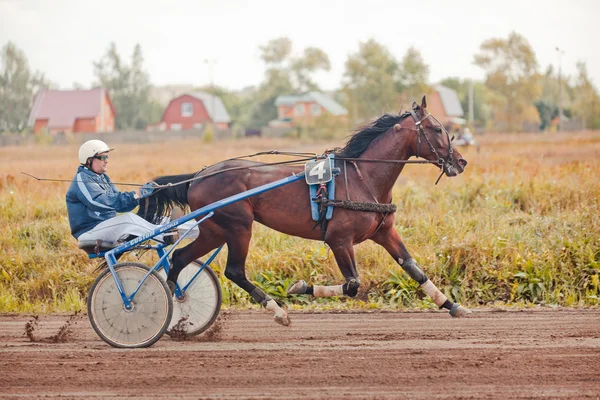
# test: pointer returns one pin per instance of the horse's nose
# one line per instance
(462, 163)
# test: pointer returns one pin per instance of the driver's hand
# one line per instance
(147, 189)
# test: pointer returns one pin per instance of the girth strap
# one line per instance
(383, 208)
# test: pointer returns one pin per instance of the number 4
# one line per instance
(318, 170)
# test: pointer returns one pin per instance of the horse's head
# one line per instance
(433, 141)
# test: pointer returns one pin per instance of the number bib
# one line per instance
(318, 171)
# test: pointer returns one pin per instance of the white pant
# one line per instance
(121, 226)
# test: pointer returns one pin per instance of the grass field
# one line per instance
(520, 227)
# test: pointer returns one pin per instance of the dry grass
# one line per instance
(521, 226)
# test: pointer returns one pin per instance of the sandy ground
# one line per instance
(492, 354)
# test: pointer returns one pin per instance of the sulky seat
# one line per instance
(96, 246)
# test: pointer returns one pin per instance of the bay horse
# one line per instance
(287, 209)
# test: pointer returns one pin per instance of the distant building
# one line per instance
(193, 111)
(444, 105)
(164, 94)
(72, 111)
(305, 108)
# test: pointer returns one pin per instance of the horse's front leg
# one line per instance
(390, 239)
(344, 256)
(237, 245)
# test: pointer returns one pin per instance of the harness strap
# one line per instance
(346, 180)
(363, 181)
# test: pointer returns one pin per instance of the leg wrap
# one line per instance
(260, 297)
(350, 288)
(432, 291)
(328, 291)
(412, 269)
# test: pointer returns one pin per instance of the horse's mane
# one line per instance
(362, 138)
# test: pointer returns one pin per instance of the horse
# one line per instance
(384, 146)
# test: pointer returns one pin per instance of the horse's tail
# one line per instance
(162, 201)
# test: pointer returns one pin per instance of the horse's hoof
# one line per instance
(171, 286)
(283, 319)
(458, 311)
(299, 287)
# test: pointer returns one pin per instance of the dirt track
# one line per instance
(526, 354)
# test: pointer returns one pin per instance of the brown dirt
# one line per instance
(503, 355)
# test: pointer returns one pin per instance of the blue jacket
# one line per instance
(92, 199)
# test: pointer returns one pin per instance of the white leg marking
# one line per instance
(280, 316)
(328, 291)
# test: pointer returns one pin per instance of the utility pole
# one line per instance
(211, 63)
(560, 106)
(471, 114)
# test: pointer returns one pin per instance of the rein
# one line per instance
(305, 157)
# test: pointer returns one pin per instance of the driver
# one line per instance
(93, 201)
(467, 135)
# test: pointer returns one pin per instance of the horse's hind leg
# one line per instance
(238, 241)
(390, 239)
(210, 238)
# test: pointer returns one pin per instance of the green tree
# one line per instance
(277, 82)
(313, 60)
(129, 88)
(371, 81)
(18, 86)
(547, 104)
(239, 107)
(480, 107)
(413, 74)
(511, 73)
(587, 102)
(276, 51)
(284, 75)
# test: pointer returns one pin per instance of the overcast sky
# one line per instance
(62, 38)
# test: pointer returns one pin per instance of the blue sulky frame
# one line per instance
(110, 255)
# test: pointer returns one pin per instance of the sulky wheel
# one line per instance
(200, 305)
(149, 316)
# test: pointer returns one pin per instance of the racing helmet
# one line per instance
(91, 148)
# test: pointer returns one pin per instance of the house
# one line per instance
(72, 111)
(305, 108)
(193, 111)
(164, 94)
(443, 104)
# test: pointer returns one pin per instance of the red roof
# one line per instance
(62, 107)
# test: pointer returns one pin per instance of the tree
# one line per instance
(587, 103)
(413, 74)
(480, 107)
(17, 88)
(314, 59)
(511, 73)
(284, 75)
(276, 51)
(129, 88)
(371, 83)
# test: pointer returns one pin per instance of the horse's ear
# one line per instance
(424, 103)
(415, 106)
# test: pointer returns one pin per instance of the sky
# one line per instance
(197, 42)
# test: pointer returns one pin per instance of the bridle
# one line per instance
(421, 131)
